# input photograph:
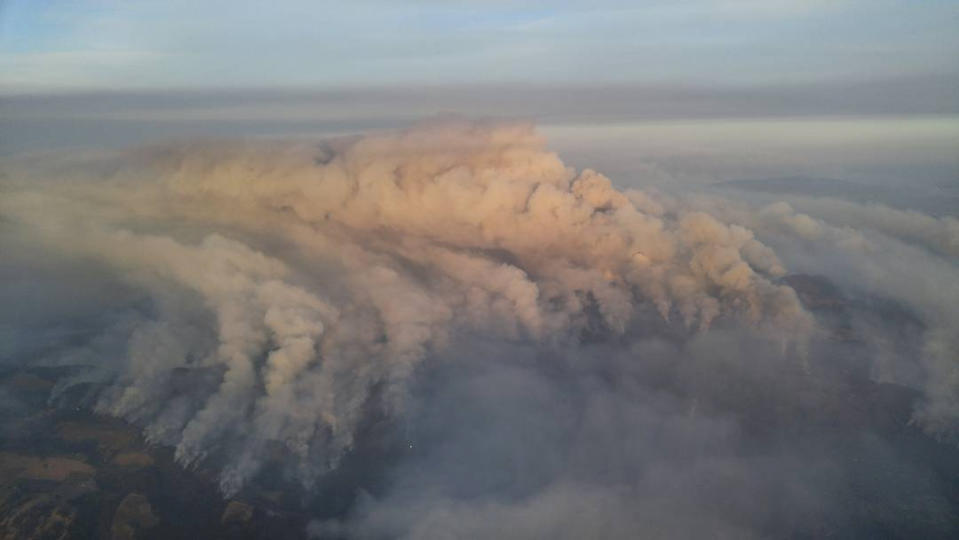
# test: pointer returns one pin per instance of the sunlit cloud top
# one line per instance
(58, 44)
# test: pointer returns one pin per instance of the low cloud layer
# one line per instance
(558, 357)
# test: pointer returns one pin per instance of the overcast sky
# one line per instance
(56, 45)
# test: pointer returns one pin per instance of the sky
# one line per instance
(702, 90)
(62, 45)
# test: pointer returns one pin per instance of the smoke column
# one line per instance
(457, 277)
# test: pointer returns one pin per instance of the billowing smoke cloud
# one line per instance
(462, 281)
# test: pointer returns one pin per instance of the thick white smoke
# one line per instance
(284, 292)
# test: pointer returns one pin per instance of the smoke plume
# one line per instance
(568, 359)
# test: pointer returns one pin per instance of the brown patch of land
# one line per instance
(109, 438)
(58, 468)
(133, 459)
